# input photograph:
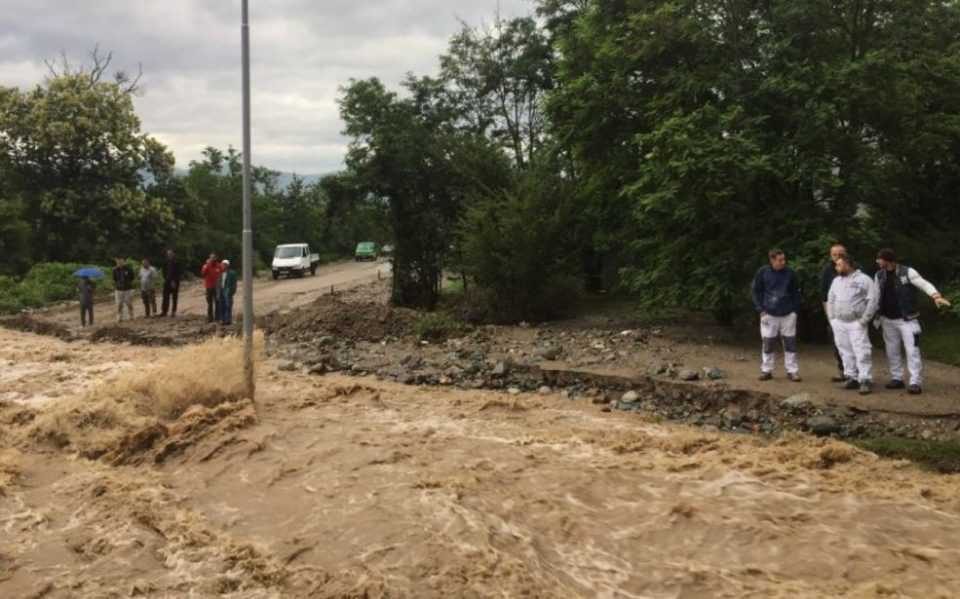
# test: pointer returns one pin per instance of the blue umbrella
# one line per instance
(89, 271)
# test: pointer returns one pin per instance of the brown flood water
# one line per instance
(351, 488)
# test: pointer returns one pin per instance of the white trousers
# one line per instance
(772, 328)
(853, 343)
(124, 298)
(899, 335)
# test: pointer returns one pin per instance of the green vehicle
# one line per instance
(366, 250)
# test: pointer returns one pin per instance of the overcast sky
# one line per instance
(302, 50)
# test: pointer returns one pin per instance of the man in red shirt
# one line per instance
(211, 273)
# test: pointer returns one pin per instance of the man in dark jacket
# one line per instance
(897, 285)
(226, 289)
(776, 297)
(86, 288)
(123, 277)
(827, 276)
(171, 284)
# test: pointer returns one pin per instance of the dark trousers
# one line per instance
(213, 309)
(86, 315)
(149, 298)
(226, 309)
(170, 293)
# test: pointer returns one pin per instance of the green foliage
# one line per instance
(437, 326)
(73, 151)
(518, 249)
(408, 154)
(46, 283)
(704, 133)
(939, 456)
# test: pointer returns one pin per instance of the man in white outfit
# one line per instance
(898, 317)
(851, 304)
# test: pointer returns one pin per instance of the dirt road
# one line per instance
(269, 295)
(346, 487)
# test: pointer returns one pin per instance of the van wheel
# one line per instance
(275, 275)
(313, 271)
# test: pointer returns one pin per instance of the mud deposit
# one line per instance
(344, 487)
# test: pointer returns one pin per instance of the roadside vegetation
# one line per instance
(651, 150)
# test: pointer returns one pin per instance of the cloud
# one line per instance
(301, 52)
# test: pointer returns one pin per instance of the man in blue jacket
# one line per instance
(776, 297)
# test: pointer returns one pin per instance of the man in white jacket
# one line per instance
(898, 317)
(851, 304)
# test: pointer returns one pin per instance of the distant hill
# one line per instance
(283, 179)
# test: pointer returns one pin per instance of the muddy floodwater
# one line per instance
(346, 487)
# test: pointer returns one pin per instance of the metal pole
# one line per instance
(247, 216)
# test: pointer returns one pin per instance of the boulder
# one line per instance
(823, 425)
(797, 403)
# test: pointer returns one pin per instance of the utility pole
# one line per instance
(247, 216)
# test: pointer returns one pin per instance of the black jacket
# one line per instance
(172, 271)
(827, 275)
(123, 278)
(776, 292)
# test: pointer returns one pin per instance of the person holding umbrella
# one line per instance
(86, 289)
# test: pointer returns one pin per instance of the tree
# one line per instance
(409, 153)
(496, 79)
(72, 150)
(714, 130)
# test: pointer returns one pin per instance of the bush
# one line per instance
(46, 283)
(517, 249)
(437, 326)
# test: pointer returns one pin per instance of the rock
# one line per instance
(927, 434)
(325, 340)
(445, 380)
(630, 397)
(823, 425)
(411, 361)
(317, 369)
(797, 403)
(688, 375)
(287, 366)
(513, 391)
(544, 390)
(407, 378)
(551, 352)
(566, 394)
(713, 373)
(501, 368)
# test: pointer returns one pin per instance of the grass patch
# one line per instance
(437, 326)
(941, 339)
(939, 456)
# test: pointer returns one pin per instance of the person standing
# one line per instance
(171, 284)
(227, 288)
(211, 274)
(123, 287)
(776, 297)
(148, 280)
(86, 288)
(898, 286)
(827, 275)
(851, 303)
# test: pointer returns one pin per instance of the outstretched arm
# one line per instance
(927, 287)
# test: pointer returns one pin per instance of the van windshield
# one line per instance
(288, 252)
